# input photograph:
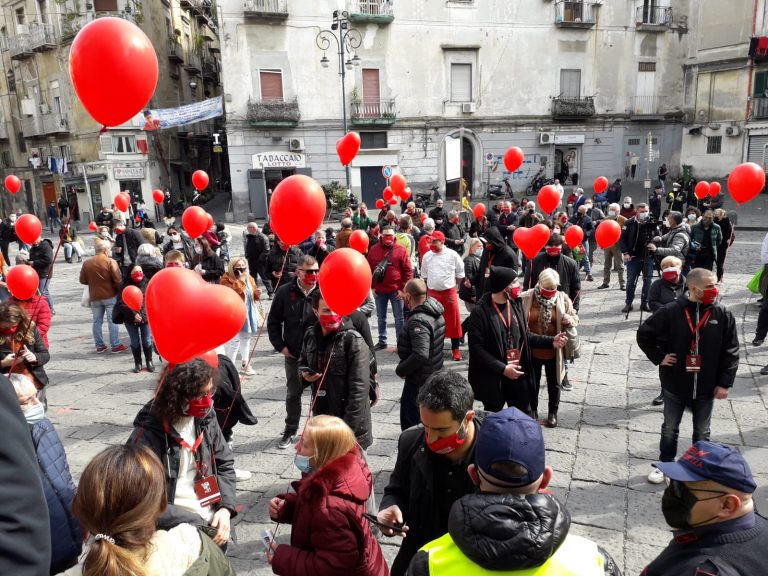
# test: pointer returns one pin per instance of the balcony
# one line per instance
(573, 14)
(653, 18)
(192, 62)
(273, 113)
(269, 10)
(42, 37)
(646, 108)
(381, 112)
(20, 47)
(55, 123)
(210, 70)
(573, 108)
(71, 24)
(3, 130)
(175, 52)
(371, 11)
(32, 126)
(758, 108)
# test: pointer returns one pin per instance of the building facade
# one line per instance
(582, 87)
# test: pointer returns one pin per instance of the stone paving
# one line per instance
(601, 452)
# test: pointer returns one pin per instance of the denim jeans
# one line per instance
(382, 300)
(98, 309)
(75, 247)
(634, 268)
(43, 287)
(674, 407)
(140, 335)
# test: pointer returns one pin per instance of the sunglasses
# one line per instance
(312, 271)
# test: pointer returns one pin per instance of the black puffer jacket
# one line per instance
(289, 317)
(420, 344)
(41, 257)
(471, 266)
(662, 292)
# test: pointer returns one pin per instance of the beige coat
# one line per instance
(563, 306)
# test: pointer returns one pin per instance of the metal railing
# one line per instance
(654, 15)
(42, 35)
(19, 44)
(371, 7)
(71, 24)
(374, 109)
(266, 6)
(645, 105)
(273, 111)
(573, 12)
(573, 107)
(758, 108)
(175, 50)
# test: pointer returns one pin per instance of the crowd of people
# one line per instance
(469, 490)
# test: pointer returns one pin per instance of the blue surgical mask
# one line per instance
(35, 413)
(302, 463)
(479, 252)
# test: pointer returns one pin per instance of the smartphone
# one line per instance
(267, 537)
(397, 526)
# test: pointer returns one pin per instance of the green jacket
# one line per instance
(211, 561)
(698, 233)
(362, 222)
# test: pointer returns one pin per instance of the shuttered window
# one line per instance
(271, 84)
(461, 82)
(371, 88)
(570, 84)
(105, 5)
(714, 143)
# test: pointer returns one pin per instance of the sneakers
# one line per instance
(247, 370)
(603, 286)
(119, 348)
(101, 348)
(659, 400)
(456, 355)
(627, 309)
(758, 341)
(589, 278)
(285, 440)
(656, 476)
(380, 346)
(241, 475)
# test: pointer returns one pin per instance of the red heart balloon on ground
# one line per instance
(28, 228)
(123, 201)
(200, 180)
(513, 158)
(195, 221)
(12, 183)
(158, 196)
(133, 297)
(398, 184)
(344, 280)
(714, 188)
(188, 316)
(22, 281)
(701, 190)
(608, 233)
(601, 184)
(746, 181)
(479, 211)
(297, 192)
(358, 240)
(573, 236)
(531, 240)
(347, 147)
(548, 198)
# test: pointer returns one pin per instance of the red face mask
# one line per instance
(137, 277)
(553, 250)
(548, 293)
(709, 295)
(388, 240)
(670, 274)
(199, 407)
(9, 331)
(449, 444)
(119, 231)
(330, 322)
(434, 248)
(310, 279)
(514, 292)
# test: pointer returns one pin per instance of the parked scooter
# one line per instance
(500, 191)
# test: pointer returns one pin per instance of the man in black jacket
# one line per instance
(125, 250)
(419, 346)
(281, 270)
(256, 246)
(105, 218)
(496, 253)
(438, 213)
(41, 258)
(566, 268)
(636, 235)
(7, 235)
(430, 473)
(454, 233)
(289, 317)
(695, 343)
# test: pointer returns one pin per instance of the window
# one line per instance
(714, 143)
(370, 140)
(65, 151)
(271, 85)
(461, 82)
(646, 66)
(21, 18)
(570, 84)
(124, 144)
(5, 159)
(761, 84)
(633, 142)
(654, 141)
(105, 5)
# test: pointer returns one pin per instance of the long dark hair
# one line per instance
(12, 313)
(182, 383)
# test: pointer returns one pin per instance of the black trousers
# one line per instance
(515, 393)
(722, 250)
(553, 386)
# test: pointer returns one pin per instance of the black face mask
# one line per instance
(677, 503)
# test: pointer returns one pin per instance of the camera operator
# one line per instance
(636, 236)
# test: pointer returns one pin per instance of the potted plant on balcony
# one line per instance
(356, 101)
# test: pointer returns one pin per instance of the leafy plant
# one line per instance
(336, 194)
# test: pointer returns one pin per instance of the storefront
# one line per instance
(268, 170)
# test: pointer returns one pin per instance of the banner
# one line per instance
(172, 117)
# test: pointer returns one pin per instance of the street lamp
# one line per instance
(193, 87)
(347, 41)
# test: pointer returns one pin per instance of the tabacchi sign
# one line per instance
(278, 160)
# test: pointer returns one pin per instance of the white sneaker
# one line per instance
(656, 476)
(247, 370)
(242, 475)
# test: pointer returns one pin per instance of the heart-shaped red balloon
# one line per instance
(513, 158)
(347, 147)
(132, 297)
(359, 240)
(531, 240)
(158, 196)
(388, 193)
(479, 211)
(195, 221)
(188, 316)
(746, 181)
(302, 193)
(22, 281)
(405, 194)
(92, 226)
(601, 184)
(380, 203)
(714, 189)
(548, 199)
(573, 236)
(123, 201)
(608, 233)
(28, 228)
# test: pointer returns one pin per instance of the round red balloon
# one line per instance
(358, 240)
(392, 201)
(294, 193)
(388, 194)
(22, 281)
(601, 184)
(344, 280)
(200, 180)
(380, 203)
(701, 190)
(123, 201)
(398, 184)
(531, 240)
(513, 158)
(347, 147)
(209, 220)
(548, 199)
(608, 233)
(479, 211)
(113, 66)
(12, 183)
(573, 236)
(195, 221)
(93, 226)
(746, 181)
(133, 298)
(158, 196)
(28, 228)
(179, 302)
(714, 188)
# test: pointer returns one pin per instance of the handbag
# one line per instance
(381, 268)
(573, 346)
(754, 284)
(85, 299)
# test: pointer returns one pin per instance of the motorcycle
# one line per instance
(424, 199)
(500, 191)
(538, 182)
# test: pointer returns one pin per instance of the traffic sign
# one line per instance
(490, 158)
(386, 171)
(218, 149)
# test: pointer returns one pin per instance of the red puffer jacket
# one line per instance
(330, 537)
(38, 309)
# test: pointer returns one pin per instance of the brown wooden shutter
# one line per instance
(271, 84)
(105, 5)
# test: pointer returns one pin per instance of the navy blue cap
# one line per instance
(510, 437)
(709, 461)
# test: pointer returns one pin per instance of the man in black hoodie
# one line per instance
(514, 524)
(496, 253)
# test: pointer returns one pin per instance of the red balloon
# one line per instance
(211, 357)
(714, 188)
(344, 280)
(573, 236)
(123, 201)
(746, 181)
(406, 194)
(28, 228)
(388, 194)
(531, 240)
(22, 281)
(601, 184)
(347, 147)
(513, 158)
(133, 298)
(113, 66)
(701, 190)
(180, 303)
(393, 201)
(12, 183)
(359, 241)
(479, 211)
(294, 193)
(398, 184)
(200, 180)
(423, 218)
(158, 196)
(608, 233)
(209, 220)
(195, 221)
(92, 226)
(548, 199)
(380, 203)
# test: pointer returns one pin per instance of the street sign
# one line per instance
(490, 158)
(646, 184)
(218, 149)
(386, 171)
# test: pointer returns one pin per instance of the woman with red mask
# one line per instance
(136, 323)
(22, 350)
(549, 312)
(181, 428)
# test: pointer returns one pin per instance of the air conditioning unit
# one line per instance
(468, 107)
(546, 137)
(296, 144)
(28, 107)
(732, 131)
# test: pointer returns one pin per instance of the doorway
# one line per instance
(568, 164)
(453, 189)
(372, 184)
(273, 177)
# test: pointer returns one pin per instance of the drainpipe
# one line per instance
(751, 66)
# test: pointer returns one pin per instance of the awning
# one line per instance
(78, 179)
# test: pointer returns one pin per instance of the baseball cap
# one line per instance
(510, 437)
(438, 236)
(709, 461)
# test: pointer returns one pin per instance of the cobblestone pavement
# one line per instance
(601, 452)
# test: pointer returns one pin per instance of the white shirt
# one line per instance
(440, 269)
(764, 251)
(185, 484)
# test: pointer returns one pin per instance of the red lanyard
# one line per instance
(508, 322)
(695, 331)
(184, 444)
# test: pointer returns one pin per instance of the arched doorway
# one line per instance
(471, 170)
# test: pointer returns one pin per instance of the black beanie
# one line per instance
(501, 277)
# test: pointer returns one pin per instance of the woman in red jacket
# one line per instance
(329, 537)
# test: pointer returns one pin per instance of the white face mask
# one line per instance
(691, 217)
(588, 206)
(198, 250)
(627, 204)
(175, 237)
(612, 213)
